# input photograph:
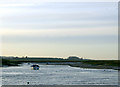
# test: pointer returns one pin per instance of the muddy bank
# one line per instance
(93, 64)
(83, 65)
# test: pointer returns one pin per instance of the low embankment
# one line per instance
(99, 64)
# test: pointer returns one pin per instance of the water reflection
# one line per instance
(58, 74)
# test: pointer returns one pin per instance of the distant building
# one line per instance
(74, 58)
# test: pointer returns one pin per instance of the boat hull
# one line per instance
(35, 68)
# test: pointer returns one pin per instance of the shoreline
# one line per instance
(89, 66)
(93, 64)
(96, 67)
(79, 65)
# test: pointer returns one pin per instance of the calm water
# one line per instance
(58, 74)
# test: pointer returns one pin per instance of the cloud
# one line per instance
(60, 32)
(15, 5)
(70, 36)
(59, 15)
(87, 28)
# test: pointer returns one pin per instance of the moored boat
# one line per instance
(35, 67)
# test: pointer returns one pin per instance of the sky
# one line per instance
(59, 29)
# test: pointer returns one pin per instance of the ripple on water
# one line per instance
(58, 74)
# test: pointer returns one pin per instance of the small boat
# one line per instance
(35, 67)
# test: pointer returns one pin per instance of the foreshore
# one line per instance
(83, 65)
(86, 65)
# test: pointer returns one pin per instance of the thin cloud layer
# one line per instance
(81, 24)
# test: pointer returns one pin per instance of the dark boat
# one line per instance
(35, 67)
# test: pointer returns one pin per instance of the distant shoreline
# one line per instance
(86, 65)
(93, 64)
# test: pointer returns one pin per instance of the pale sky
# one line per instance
(60, 29)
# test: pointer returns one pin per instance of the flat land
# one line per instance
(97, 64)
